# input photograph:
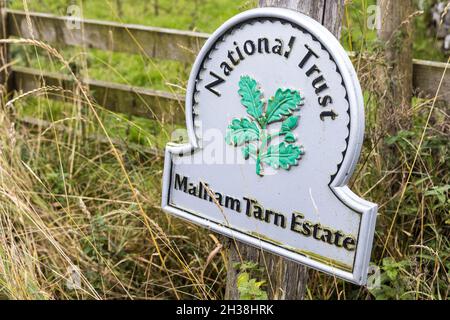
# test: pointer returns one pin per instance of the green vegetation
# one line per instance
(250, 288)
(74, 207)
(177, 14)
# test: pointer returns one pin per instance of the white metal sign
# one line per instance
(275, 119)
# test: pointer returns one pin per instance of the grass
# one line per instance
(72, 208)
(190, 15)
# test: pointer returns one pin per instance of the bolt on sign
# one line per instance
(275, 120)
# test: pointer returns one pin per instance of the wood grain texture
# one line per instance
(137, 101)
(286, 279)
(396, 35)
(328, 12)
(152, 42)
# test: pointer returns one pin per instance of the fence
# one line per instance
(159, 43)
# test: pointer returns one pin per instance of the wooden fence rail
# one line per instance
(427, 76)
(158, 43)
(115, 97)
(152, 42)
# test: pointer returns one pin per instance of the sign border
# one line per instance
(338, 183)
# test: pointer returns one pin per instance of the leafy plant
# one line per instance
(249, 288)
(393, 283)
(441, 193)
(252, 133)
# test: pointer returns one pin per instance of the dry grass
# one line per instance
(55, 222)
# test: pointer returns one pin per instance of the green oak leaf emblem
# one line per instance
(252, 133)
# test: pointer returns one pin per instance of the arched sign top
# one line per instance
(328, 43)
(275, 120)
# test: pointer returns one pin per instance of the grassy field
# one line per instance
(81, 219)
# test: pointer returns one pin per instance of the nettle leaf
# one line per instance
(290, 138)
(241, 131)
(251, 96)
(249, 150)
(282, 156)
(251, 132)
(289, 124)
(282, 104)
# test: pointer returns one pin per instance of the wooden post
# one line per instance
(286, 279)
(396, 34)
(4, 55)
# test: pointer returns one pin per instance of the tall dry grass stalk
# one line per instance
(24, 227)
(65, 227)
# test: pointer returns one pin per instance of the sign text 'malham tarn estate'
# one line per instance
(274, 91)
(253, 209)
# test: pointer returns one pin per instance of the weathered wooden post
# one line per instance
(287, 280)
(4, 54)
(396, 34)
